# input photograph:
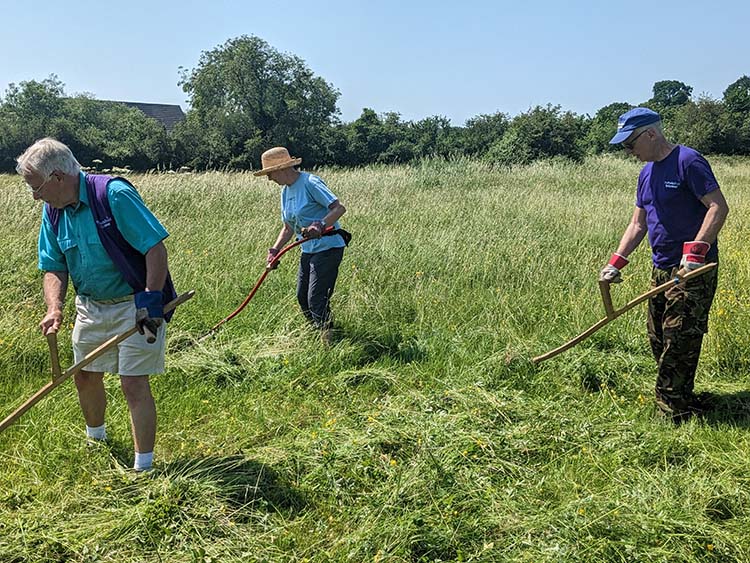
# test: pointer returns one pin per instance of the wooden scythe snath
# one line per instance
(613, 313)
(58, 378)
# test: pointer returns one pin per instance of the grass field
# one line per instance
(424, 433)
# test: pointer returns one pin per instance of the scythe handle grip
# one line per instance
(53, 355)
(606, 298)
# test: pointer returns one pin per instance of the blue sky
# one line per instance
(419, 58)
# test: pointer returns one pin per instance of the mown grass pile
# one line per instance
(424, 433)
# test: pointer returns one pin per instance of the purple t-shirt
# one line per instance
(670, 191)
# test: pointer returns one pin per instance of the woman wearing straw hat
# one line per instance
(308, 207)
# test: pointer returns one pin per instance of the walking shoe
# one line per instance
(679, 411)
(326, 336)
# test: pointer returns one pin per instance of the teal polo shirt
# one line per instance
(76, 248)
(305, 201)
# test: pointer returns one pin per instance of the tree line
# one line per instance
(246, 96)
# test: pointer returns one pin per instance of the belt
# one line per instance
(113, 301)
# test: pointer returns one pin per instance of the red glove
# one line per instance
(272, 252)
(315, 230)
(611, 272)
(693, 255)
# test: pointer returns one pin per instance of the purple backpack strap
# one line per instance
(53, 214)
(130, 262)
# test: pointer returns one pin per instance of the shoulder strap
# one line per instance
(129, 261)
(53, 214)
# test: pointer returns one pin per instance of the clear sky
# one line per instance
(418, 58)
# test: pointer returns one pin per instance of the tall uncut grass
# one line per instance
(424, 433)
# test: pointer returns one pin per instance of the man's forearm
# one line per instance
(156, 267)
(630, 240)
(712, 224)
(55, 286)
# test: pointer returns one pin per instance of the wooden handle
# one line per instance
(606, 298)
(53, 355)
(640, 299)
(150, 336)
(114, 341)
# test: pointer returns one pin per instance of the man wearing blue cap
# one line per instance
(681, 208)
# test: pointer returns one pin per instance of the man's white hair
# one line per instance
(47, 156)
(657, 125)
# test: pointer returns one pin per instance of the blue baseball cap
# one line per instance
(632, 120)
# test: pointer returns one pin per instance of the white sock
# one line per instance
(143, 461)
(98, 433)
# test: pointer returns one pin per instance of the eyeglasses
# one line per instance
(630, 144)
(38, 189)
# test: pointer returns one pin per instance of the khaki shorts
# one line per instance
(98, 321)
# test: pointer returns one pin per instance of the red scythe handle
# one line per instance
(270, 266)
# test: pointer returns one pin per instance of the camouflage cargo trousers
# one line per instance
(677, 321)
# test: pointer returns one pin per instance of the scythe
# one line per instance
(613, 313)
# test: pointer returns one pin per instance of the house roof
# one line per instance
(167, 115)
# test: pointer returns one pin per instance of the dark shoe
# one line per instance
(326, 336)
(672, 410)
(680, 410)
(702, 402)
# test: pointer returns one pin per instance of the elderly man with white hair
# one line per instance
(97, 231)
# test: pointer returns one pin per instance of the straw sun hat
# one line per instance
(274, 159)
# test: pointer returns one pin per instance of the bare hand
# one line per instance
(270, 257)
(51, 322)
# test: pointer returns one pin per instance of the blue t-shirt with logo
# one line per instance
(304, 202)
(670, 192)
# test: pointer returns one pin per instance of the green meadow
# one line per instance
(424, 433)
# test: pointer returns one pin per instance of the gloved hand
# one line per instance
(272, 252)
(611, 272)
(149, 311)
(315, 230)
(693, 255)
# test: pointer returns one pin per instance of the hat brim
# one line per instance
(288, 164)
(621, 136)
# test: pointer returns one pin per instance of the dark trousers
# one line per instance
(315, 282)
(677, 321)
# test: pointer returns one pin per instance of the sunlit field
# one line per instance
(424, 433)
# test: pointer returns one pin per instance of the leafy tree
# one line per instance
(132, 139)
(29, 111)
(483, 131)
(114, 133)
(737, 95)
(434, 136)
(668, 97)
(246, 96)
(370, 138)
(603, 126)
(701, 125)
(542, 132)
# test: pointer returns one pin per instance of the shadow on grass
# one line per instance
(376, 346)
(729, 408)
(247, 485)
(122, 452)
